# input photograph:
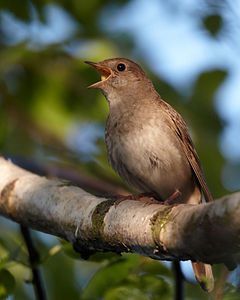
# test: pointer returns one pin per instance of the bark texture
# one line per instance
(207, 232)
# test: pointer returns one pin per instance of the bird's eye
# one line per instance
(121, 67)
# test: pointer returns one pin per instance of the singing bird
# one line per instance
(148, 143)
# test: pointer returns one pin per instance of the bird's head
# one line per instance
(120, 78)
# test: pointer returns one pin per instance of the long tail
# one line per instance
(204, 275)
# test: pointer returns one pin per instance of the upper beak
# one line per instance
(105, 73)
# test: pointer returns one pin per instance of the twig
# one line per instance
(179, 281)
(37, 282)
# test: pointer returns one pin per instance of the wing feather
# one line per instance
(181, 130)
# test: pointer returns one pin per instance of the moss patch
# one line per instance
(99, 214)
(159, 221)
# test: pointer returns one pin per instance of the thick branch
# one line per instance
(207, 232)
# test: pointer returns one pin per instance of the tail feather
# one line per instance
(204, 275)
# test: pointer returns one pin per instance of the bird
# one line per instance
(148, 143)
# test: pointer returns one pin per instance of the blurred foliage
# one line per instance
(213, 24)
(7, 283)
(47, 115)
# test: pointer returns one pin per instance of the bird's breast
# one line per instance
(147, 153)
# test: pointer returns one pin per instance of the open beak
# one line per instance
(105, 73)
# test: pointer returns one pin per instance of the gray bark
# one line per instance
(207, 232)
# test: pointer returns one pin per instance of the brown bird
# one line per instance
(148, 143)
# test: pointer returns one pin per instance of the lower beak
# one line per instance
(105, 73)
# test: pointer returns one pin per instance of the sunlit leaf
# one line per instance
(125, 292)
(68, 249)
(109, 276)
(153, 267)
(54, 250)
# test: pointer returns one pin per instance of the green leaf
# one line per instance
(68, 250)
(213, 24)
(54, 250)
(3, 261)
(140, 287)
(7, 283)
(125, 292)
(231, 293)
(106, 256)
(154, 267)
(14, 249)
(109, 276)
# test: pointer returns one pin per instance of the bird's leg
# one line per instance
(172, 198)
(146, 197)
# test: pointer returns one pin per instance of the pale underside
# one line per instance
(149, 156)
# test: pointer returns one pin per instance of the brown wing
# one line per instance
(182, 132)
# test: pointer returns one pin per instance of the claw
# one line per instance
(172, 198)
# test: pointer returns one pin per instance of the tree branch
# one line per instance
(207, 232)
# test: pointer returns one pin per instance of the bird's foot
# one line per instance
(148, 198)
(172, 199)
